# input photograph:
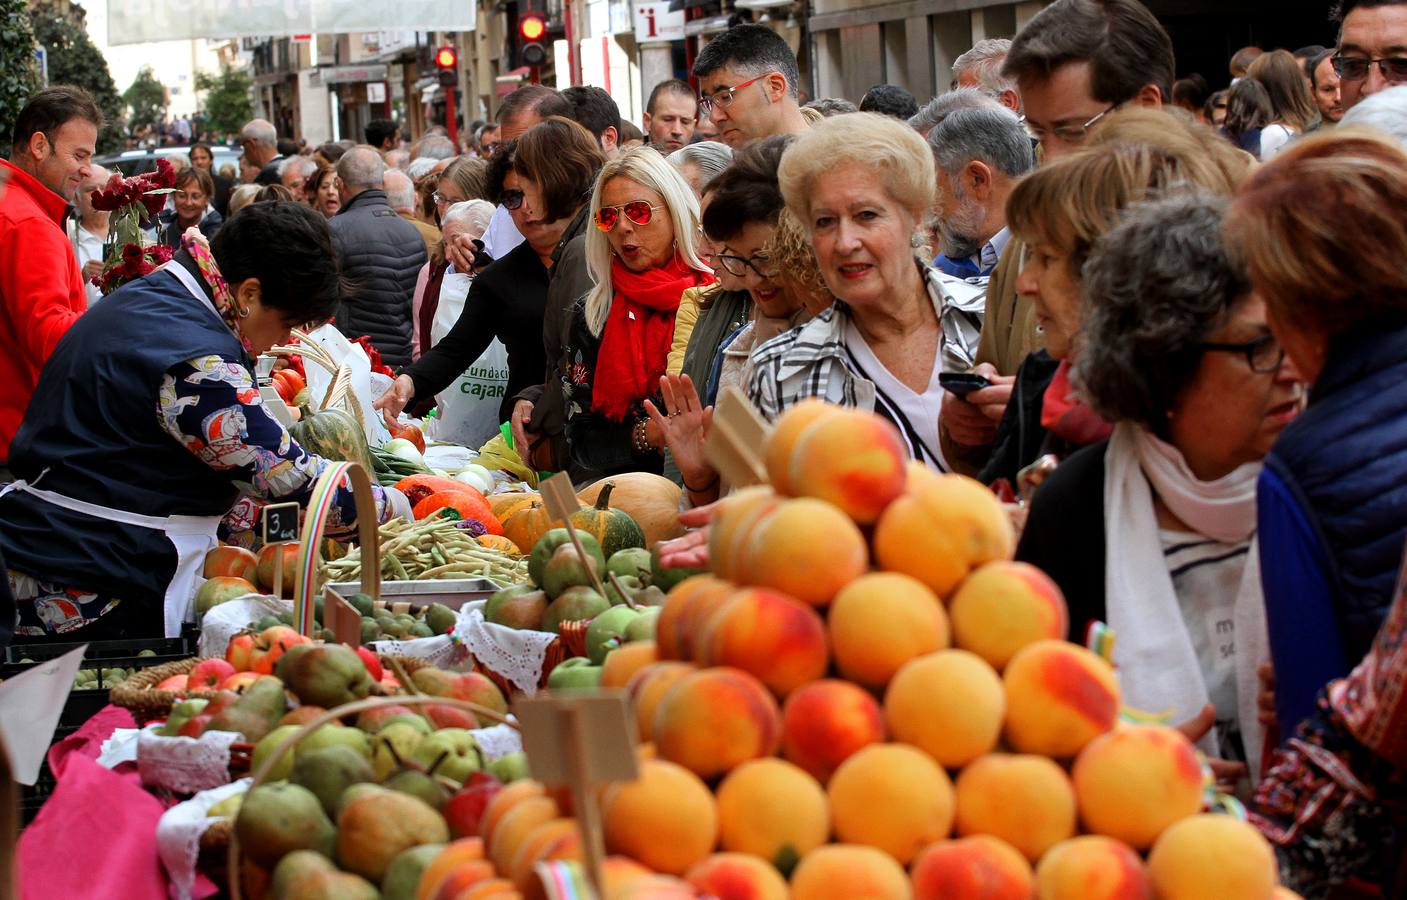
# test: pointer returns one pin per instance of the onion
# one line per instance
(404, 449)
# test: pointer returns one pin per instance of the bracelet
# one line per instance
(694, 490)
(638, 438)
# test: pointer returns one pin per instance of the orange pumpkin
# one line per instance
(498, 542)
(469, 505)
(527, 526)
(506, 503)
(418, 487)
(651, 500)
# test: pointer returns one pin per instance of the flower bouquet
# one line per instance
(133, 202)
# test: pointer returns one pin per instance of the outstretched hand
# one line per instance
(684, 426)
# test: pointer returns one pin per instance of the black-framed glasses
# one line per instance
(512, 198)
(738, 266)
(1070, 134)
(1264, 355)
(1356, 68)
(638, 211)
(724, 97)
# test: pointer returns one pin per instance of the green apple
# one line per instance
(642, 627)
(575, 674)
(187, 708)
(335, 735)
(512, 767)
(607, 631)
(400, 737)
(265, 749)
(460, 751)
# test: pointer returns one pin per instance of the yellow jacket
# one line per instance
(684, 321)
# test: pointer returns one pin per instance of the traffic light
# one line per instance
(532, 28)
(447, 62)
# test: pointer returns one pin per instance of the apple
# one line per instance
(642, 627)
(239, 681)
(194, 726)
(450, 717)
(461, 753)
(465, 810)
(270, 645)
(237, 653)
(373, 720)
(221, 589)
(575, 674)
(607, 631)
(174, 683)
(208, 674)
(373, 665)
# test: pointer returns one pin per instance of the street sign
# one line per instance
(654, 22)
(41, 59)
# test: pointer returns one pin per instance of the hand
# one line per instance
(1265, 699)
(522, 438)
(688, 552)
(972, 420)
(1226, 772)
(684, 428)
(1017, 513)
(396, 397)
(459, 250)
(92, 269)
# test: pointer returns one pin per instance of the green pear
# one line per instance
(567, 569)
(574, 605)
(264, 750)
(304, 875)
(460, 752)
(418, 784)
(334, 735)
(575, 674)
(642, 627)
(403, 876)
(547, 545)
(276, 819)
(362, 603)
(511, 767)
(256, 712)
(607, 631)
(633, 562)
(666, 579)
(440, 618)
(393, 745)
(329, 772)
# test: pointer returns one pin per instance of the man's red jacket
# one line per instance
(41, 291)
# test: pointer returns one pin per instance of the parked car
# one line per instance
(135, 162)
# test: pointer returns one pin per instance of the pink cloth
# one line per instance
(96, 835)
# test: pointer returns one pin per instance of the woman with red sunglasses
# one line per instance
(642, 255)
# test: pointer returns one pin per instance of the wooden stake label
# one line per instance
(342, 618)
(737, 439)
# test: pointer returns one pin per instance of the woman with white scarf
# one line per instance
(1174, 350)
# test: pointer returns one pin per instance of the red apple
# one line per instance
(270, 645)
(208, 674)
(174, 683)
(450, 717)
(464, 811)
(373, 665)
(239, 681)
(194, 726)
(237, 653)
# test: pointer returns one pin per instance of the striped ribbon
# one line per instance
(319, 508)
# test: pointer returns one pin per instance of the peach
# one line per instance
(737, 876)
(714, 720)
(675, 626)
(514, 828)
(1212, 856)
(1004, 606)
(1092, 867)
(265, 568)
(882, 620)
(666, 819)
(1059, 697)
(647, 688)
(765, 633)
(464, 880)
(533, 847)
(822, 549)
(949, 704)
(825, 722)
(772, 809)
(489, 889)
(505, 800)
(852, 458)
(732, 523)
(849, 872)
(1134, 782)
(1284, 893)
(941, 529)
(781, 443)
(454, 855)
(980, 867)
(624, 661)
(1025, 800)
(893, 797)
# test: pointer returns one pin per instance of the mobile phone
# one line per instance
(962, 383)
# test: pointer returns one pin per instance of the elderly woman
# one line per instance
(192, 207)
(321, 191)
(107, 532)
(1058, 212)
(643, 255)
(508, 300)
(1150, 531)
(1333, 503)
(701, 163)
(468, 220)
(861, 185)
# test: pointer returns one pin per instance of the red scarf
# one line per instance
(1066, 415)
(638, 334)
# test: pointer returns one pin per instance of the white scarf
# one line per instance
(1158, 668)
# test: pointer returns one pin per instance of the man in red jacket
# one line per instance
(41, 287)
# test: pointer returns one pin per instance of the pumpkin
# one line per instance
(418, 487)
(506, 503)
(333, 434)
(469, 505)
(614, 529)
(651, 500)
(498, 542)
(527, 526)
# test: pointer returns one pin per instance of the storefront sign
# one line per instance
(352, 74)
(654, 22)
(376, 92)
(140, 21)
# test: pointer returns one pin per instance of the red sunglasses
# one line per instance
(638, 211)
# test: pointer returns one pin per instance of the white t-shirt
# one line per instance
(88, 247)
(502, 235)
(1273, 139)
(915, 415)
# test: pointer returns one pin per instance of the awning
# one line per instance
(352, 74)
(676, 5)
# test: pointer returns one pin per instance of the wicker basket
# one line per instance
(139, 696)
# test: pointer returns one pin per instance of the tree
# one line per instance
(146, 99)
(227, 105)
(19, 72)
(73, 59)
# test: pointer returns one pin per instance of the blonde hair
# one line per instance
(882, 143)
(645, 166)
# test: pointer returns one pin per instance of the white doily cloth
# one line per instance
(440, 651)
(228, 619)
(497, 741)
(185, 764)
(515, 654)
(179, 830)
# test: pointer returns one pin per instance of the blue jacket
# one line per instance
(1332, 504)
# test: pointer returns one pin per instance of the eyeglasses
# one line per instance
(1356, 68)
(1070, 134)
(1264, 355)
(512, 198)
(442, 200)
(724, 97)
(737, 266)
(638, 211)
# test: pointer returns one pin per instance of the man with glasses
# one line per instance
(747, 82)
(1372, 51)
(260, 143)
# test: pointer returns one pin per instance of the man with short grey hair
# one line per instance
(260, 143)
(400, 196)
(981, 68)
(293, 173)
(944, 105)
(397, 159)
(434, 146)
(381, 256)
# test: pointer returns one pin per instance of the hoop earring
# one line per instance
(242, 313)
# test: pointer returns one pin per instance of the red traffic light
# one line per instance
(532, 27)
(446, 58)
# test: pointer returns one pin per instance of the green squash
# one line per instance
(333, 434)
(614, 529)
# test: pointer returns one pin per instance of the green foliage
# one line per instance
(227, 105)
(19, 73)
(146, 100)
(73, 59)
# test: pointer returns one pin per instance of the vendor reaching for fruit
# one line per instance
(147, 426)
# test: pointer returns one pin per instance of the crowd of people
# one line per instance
(1178, 317)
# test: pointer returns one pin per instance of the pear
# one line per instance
(440, 618)
(547, 545)
(633, 562)
(326, 675)
(666, 579)
(256, 712)
(334, 735)
(403, 877)
(276, 819)
(574, 605)
(304, 875)
(607, 631)
(421, 785)
(629, 583)
(378, 825)
(510, 767)
(393, 745)
(329, 772)
(516, 607)
(567, 569)
(264, 750)
(642, 627)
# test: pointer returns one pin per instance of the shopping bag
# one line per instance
(340, 351)
(468, 408)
